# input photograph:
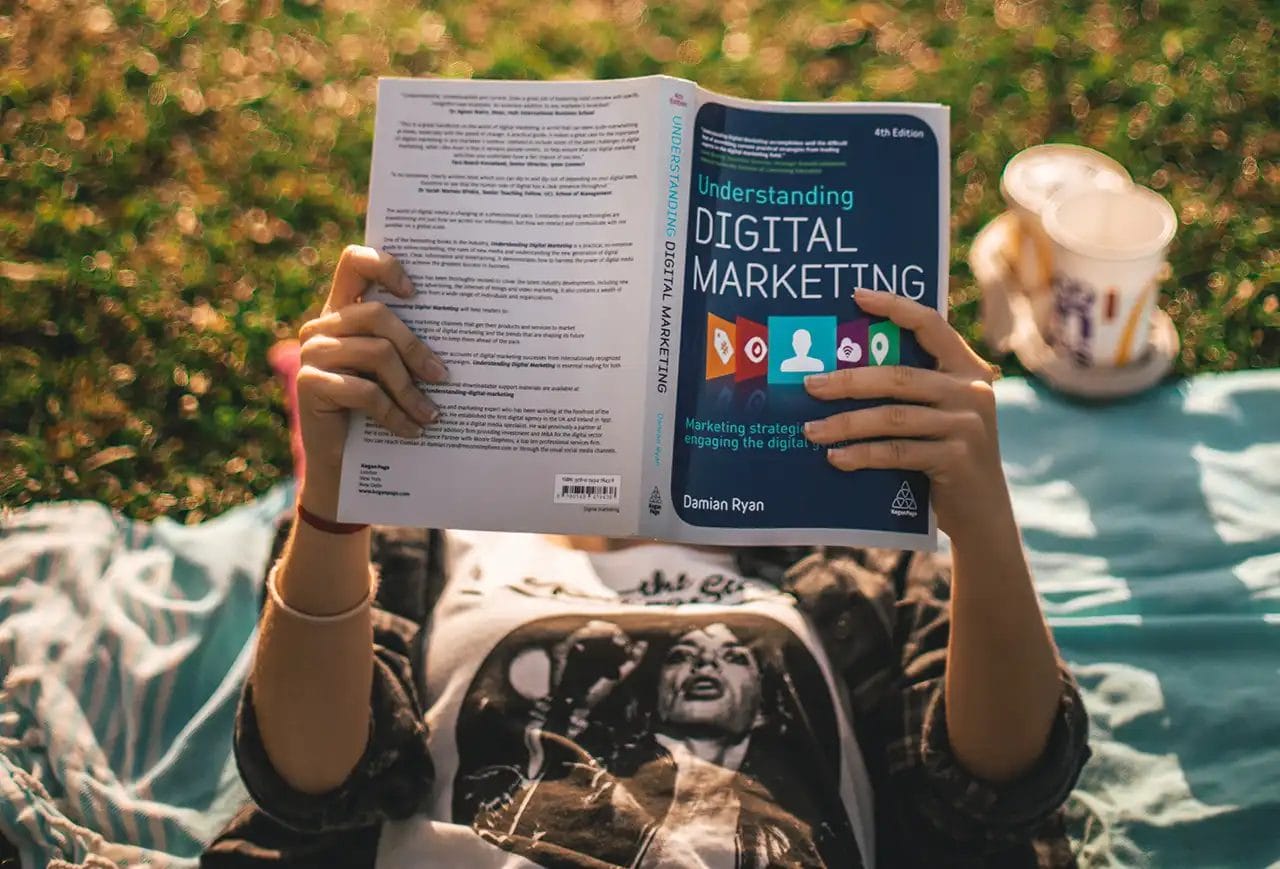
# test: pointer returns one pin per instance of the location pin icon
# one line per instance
(879, 347)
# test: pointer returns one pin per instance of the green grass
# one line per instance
(177, 179)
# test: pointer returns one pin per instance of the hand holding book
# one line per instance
(359, 355)
(945, 425)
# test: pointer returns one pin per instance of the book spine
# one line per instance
(676, 107)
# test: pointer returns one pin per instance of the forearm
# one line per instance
(312, 681)
(1002, 686)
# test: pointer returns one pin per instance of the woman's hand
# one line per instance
(359, 356)
(947, 428)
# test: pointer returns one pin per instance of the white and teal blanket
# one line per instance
(1154, 530)
(1153, 527)
(123, 646)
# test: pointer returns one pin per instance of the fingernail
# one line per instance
(429, 367)
(816, 379)
(424, 409)
(406, 285)
(812, 429)
(863, 293)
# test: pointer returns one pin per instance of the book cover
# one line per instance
(789, 213)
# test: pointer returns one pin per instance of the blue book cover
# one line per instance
(787, 209)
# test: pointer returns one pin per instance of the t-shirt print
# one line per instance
(644, 740)
(649, 707)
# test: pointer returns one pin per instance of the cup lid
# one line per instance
(1128, 224)
(1035, 175)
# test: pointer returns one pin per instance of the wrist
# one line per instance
(986, 524)
(318, 493)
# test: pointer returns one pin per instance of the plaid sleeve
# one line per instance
(393, 777)
(959, 808)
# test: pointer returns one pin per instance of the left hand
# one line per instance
(946, 428)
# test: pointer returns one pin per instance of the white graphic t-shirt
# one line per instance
(647, 707)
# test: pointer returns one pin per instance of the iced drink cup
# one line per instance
(1108, 252)
(1029, 181)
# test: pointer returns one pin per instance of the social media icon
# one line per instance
(720, 343)
(800, 346)
(851, 343)
(884, 343)
(724, 345)
(753, 350)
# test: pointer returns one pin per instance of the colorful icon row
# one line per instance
(786, 349)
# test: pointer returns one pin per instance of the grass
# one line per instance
(177, 179)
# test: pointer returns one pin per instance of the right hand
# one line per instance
(359, 355)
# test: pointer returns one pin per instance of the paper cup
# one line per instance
(1029, 181)
(1108, 251)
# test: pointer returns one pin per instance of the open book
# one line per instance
(629, 281)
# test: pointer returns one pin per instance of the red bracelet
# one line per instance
(322, 524)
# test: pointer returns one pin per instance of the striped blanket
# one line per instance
(122, 650)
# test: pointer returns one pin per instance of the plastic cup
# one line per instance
(1033, 177)
(1108, 249)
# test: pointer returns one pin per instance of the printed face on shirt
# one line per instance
(711, 679)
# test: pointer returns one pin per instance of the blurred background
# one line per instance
(178, 178)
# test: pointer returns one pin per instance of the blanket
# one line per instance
(1153, 528)
(123, 646)
(1152, 525)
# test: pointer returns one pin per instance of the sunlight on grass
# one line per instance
(178, 179)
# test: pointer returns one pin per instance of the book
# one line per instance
(629, 281)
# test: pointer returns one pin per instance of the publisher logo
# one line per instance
(904, 503)
(655, 501)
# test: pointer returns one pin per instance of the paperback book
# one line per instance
(629, 281)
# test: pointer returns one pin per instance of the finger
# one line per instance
(903, 382)
(931, 329)
(376, 319)
(890, 420)
(349, 392)
(377, 356)
(360, 266)
(911, 455)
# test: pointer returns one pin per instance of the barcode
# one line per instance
(587, 489)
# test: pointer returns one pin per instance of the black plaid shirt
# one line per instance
(884, 618)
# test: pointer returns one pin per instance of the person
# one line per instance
(578, 702)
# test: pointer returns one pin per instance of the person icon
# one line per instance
(801, 343)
